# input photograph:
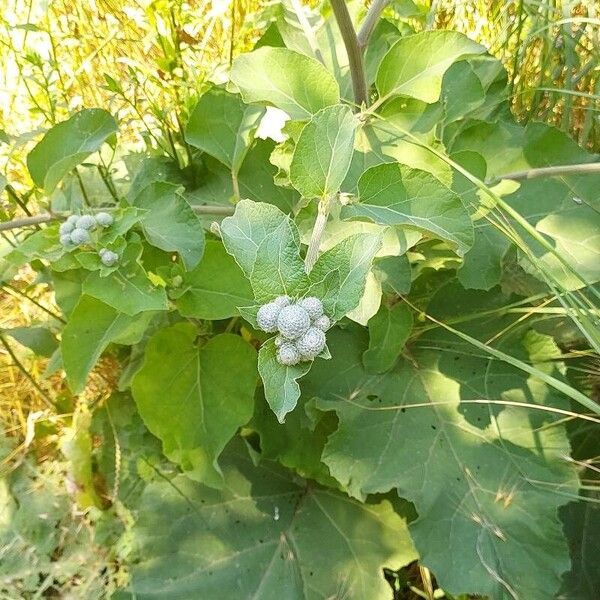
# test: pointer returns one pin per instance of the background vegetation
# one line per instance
(147, 62)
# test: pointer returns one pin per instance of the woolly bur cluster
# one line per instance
(301, 327)
(76, 230)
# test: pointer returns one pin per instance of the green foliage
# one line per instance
(68, 144)
(295, 83)
(415, 65)
(210, 388)
(223, 126)
(263, 548)
(323, 152)
(170, 222)
(388, 331)
(391, 194)
(431, 427)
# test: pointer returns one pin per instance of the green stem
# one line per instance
(355, 57)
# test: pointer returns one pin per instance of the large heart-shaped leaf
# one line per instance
(415, 65)
(486, 485)
(299, 85)
(195, 398)
(257, 538)
(68, 144)
(223, 126)
(393, 194)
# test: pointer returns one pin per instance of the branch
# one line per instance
(27, 221)
(355, 58)
(581, 169)
(223, 211)
(366, 29)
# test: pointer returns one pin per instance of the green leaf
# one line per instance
(415, 65)
(297, 84)
(382, 142)
(39, 339)
(195, 398)
(582, 527)
(482, 266)
(298, 442)
(339, 275)
(170, 223)
(223, 126)
(266, 244)
(388, 331)
(68, 144)
(462, 91)
(92, 326)
(477, 488)
(394, 273)
(280, 381)
(127, 289)
(257, 538)
(323, 152)
(393, 194)
(215, 288)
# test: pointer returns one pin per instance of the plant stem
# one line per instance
(27, 221)
(83, 190)
(366, 29)
(13, 194)
(579, 169)
(355, 58)
(317, 233)
(47, 217)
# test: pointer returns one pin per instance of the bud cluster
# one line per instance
(76, 231)
(300, 325)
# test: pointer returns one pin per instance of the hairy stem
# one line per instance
(580, 169)
(317, 233)
(208, 209)
(355, 57)
(366, 29)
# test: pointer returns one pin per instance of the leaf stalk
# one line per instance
(317, 233)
